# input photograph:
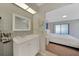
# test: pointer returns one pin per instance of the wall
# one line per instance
(73, 27)
(38, 28)
(6, 11)
(48, 7)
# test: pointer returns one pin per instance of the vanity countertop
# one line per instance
(19, 40)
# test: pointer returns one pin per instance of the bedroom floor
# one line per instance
(61, 50)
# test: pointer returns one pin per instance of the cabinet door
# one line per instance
(24, 49)
(29, 48)
(34, 46)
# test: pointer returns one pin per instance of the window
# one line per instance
(61, 29)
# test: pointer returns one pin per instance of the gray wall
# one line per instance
(73, 27)
(6, 11)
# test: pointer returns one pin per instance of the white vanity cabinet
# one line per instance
(27, 46)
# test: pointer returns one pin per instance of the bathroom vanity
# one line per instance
(26, 46)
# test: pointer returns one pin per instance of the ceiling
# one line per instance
(46, 7)
(40, 4)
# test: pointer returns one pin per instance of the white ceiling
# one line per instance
(46, 7)
(40, 4)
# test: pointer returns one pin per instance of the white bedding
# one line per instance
(63, 39)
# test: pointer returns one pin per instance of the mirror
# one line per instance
(21, 23)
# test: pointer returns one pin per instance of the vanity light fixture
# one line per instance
(22, 5)
(31, 10)
(26, 7)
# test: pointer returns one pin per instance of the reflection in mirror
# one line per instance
(21, 23)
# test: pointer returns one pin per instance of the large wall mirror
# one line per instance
(21, 23)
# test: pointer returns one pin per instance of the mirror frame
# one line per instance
(14, 19)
